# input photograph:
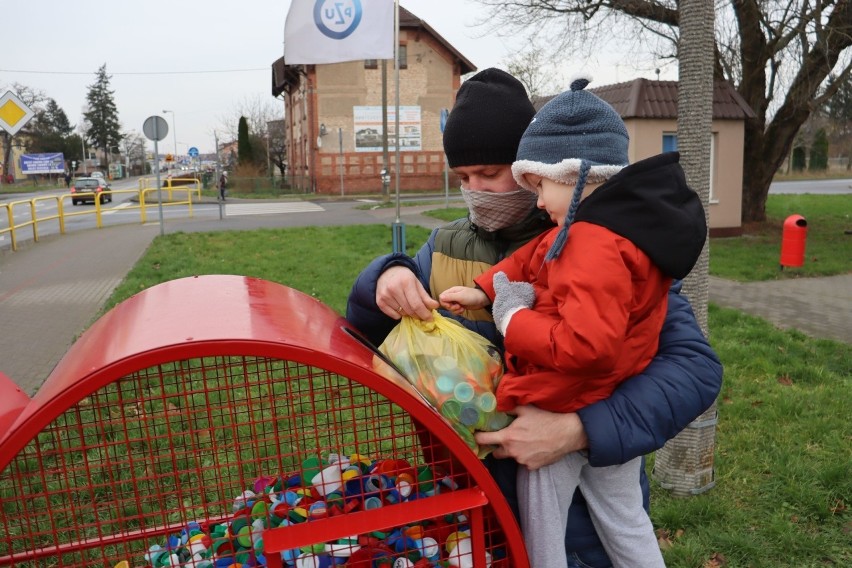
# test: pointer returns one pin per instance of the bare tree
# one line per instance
(533, 67)
(134, 148)
(277, 141)
(785, 58)
(257, 110)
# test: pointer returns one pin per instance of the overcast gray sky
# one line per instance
(200, 59)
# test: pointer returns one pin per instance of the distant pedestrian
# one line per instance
(67, 179)
(223, 184)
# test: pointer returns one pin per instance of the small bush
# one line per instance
(798, 159)
(819, 152)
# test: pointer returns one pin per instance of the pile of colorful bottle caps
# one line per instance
(332, 486)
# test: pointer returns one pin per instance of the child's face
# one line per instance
(553, 197)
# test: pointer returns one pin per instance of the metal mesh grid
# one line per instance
(143, 456)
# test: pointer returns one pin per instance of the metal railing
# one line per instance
(176, 195)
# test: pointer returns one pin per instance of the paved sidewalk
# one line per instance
(819, 307)
(51, 291)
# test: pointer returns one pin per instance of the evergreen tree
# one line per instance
(104, 128)
(819, 152)
(49, 130)
(245, 155)
(839, 110)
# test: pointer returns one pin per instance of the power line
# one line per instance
(134, 72)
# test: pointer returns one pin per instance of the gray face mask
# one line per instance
(494, 211)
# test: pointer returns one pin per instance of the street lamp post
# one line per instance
(174, 131)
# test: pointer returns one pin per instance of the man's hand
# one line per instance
(536, 437)
(400, 293)
(460, 298)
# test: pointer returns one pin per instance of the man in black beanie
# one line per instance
(481, 139)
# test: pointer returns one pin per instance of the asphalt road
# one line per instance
(124, 209)
(823, 187)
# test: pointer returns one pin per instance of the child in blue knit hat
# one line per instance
(582, 306)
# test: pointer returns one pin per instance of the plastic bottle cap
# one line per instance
(451, 409)
(463, 392)
(430, 547)
(445, 384)
(404, 488)
(469, 415)
(244, 537)
(327, 480)
(487, 402)
(372, 503)
(311, 467)
(498, 421)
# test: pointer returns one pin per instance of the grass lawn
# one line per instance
(783, 452)
(755, 255)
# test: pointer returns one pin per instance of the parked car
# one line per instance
(88, 189)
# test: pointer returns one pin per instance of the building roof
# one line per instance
(284, 76)
(644, 98)
(409, 20)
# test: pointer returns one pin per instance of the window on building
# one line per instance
(403, 56)
(670, 145)
(371, 64)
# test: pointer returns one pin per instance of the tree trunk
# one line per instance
(685, 464)
(767, 145)
(7, 152)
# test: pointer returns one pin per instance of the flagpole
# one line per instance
(398, 226)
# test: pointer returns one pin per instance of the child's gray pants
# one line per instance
(614, 497)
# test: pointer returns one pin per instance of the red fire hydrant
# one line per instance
(793, 239)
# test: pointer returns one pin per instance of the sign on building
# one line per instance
(368, 128)
(42, 163)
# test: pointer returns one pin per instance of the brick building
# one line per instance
(334, 114)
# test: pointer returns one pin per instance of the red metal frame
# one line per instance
(286, 375)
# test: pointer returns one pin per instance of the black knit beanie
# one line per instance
(492, 111)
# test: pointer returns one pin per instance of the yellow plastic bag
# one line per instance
(455, 369)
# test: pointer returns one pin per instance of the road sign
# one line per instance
(193, 152)
(14, 114)
(155, 128)
(445, 114)
(170, 158)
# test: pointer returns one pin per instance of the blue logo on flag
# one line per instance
(337, 19)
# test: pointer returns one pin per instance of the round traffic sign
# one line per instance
(193, 152)
(155, 128)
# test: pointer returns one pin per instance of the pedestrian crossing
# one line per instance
(239, 209)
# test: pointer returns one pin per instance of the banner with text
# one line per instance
(368, 128)
(42, 163)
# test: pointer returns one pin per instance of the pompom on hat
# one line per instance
(490, 114)
(574, 139)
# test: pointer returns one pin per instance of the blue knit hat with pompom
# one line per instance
(575, 138)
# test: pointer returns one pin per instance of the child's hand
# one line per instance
(460, 298)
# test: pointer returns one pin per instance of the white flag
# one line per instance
(330, 31)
